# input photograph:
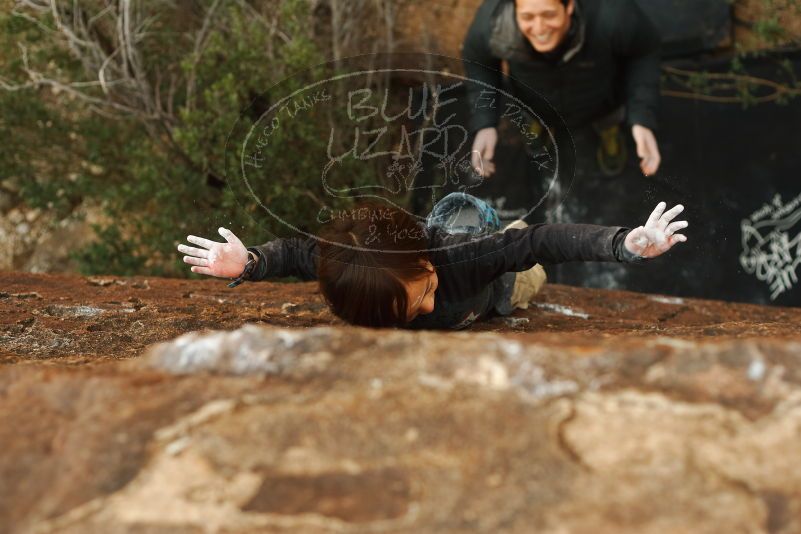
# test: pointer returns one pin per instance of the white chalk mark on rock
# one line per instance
(667, 300)
(563, 310)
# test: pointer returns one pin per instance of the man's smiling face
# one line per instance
(544, 23)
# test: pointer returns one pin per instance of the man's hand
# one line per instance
(484, 151)
(658, 235)
(226, 260)
(647, 149)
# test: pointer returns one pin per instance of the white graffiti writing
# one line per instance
(771, 239)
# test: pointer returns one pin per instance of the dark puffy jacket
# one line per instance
(476, 274)
(611, 59)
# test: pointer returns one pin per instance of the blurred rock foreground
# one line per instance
(138, 405)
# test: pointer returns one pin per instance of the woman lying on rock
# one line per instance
(378, 266)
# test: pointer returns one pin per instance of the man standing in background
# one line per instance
(595, 61)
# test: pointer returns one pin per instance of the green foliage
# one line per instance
(770, 29)
(159, 181)
(113, 251)
(699, 82)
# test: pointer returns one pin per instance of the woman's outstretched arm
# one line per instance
(480, 261)
(278, 258)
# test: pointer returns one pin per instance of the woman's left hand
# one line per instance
(225, 260)
(659, 233)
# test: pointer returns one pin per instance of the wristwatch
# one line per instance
(246, 272)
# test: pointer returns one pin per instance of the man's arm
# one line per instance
(481, 65)
(281, 258)
(636, 42)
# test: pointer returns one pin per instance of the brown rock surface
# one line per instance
(636, 413)
(783, 17)
(434, 27)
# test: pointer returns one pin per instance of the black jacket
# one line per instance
(476, 274)
(611, 58)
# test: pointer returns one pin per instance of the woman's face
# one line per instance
(543, 22)
(420, 294)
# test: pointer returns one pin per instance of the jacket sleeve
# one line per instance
(281, 258)
(482, 66)
(637, 43)
(482, 260)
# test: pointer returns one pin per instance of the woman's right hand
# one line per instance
(225, 260)
(659, 233)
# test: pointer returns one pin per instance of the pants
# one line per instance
(527, 283)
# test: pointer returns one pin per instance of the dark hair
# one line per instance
(366, 253)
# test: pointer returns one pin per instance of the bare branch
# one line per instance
(36, 6)
(92, 21)
(271, 25)
(21, 14)
(726, 82)
(200, 44)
